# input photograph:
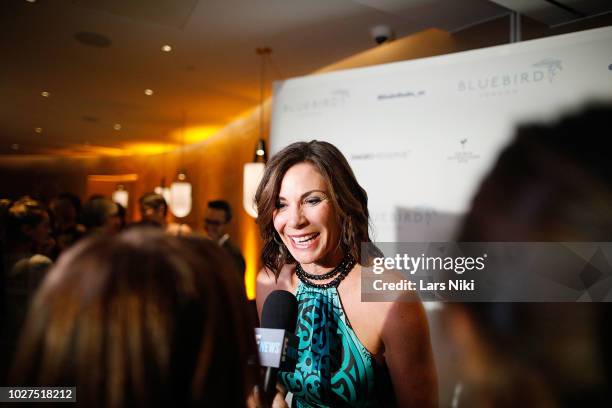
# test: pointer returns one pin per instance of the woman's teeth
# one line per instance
(304, 239)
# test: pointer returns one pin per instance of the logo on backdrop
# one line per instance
(552, 66)
(336, 99)
(404, 94)
(510, 83)
(422, 214)
(463, 156)
(395, 155)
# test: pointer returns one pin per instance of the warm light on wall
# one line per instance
(148, 148)
(129, 149)
(113, 178)
(194, 134)
(251, 256)
(81, 151)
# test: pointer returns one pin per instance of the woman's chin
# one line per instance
(304, 259)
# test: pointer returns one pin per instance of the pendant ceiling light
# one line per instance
(253, 172)
(180, 190)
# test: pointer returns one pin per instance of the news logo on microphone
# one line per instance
(277, 348)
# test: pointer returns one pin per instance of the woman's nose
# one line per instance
(296, 217)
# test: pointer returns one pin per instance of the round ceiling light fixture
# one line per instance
(166, 48)
(45, 94)
(148, 92)
(38, 130)
(117, 126)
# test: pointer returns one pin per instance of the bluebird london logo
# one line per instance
(552, 66)
(463, 156)
(510, 82)
(333, 100)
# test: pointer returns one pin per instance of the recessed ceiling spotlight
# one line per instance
(148, 92)
(31, 1)
(166, 48)
(117, 126)
(38, 130)
(15, 146)
(45, 94)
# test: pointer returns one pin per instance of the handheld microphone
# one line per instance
(276, 339)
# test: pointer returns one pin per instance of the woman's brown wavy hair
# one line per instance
(349, 199)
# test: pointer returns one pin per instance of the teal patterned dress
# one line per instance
(333, 369)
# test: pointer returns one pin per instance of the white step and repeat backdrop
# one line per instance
(421, 134)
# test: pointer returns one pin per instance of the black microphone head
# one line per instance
(280, 311)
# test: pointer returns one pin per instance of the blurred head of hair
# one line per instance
(101, 215)
(66, 209)
(551, 183)
(27, 223)
(142, 319)
(223, 206)
(153, 208)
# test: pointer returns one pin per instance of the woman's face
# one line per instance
(305, 218)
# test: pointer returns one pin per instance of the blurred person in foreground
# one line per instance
(313, 217)
(551, 183)
(141, 319)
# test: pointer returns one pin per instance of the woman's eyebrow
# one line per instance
(306, 194)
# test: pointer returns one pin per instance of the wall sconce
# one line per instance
(121, 196)
(180, 190)
(180, 196)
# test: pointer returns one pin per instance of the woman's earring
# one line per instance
(347, 232)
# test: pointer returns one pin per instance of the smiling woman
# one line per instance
(313, 217)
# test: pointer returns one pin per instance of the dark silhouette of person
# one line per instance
(216, 224)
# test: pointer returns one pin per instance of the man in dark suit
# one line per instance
(216, 223)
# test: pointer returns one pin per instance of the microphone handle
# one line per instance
(269, 385)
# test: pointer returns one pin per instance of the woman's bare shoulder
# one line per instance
(266, 278)
(267, 283)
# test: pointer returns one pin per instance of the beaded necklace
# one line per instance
(339, 272)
